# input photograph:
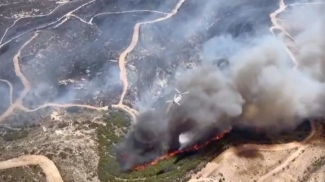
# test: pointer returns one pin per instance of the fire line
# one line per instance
(172, 154)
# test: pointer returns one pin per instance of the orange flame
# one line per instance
(172, 154)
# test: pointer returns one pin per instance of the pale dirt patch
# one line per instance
(242, 169)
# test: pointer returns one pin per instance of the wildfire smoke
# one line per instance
(257, 89)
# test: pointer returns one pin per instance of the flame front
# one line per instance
(172, 154)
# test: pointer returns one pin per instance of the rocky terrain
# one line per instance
(75, 73)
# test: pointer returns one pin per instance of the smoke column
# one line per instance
(258, 88)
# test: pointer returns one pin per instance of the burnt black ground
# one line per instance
(69, 48)
(87, 53)
(74, 59)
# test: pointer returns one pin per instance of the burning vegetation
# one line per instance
(257, 89)
(176, 166)
(189, 149)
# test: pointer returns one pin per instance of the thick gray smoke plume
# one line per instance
(259, 88)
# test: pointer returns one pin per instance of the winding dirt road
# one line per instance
(276, 25)
(47, 165)
(134, 41)
(23, 79)
(49, 168)
(276, 147)
(254, 147)
(10, 89)
(18, 104)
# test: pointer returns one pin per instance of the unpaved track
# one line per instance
(277, 147)
(254, 147)
(18, 102)
(10, 89)
(49, 168)
(51, 171)
(273, 17)
(284, 164)
(302, 145)
(122, 62)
